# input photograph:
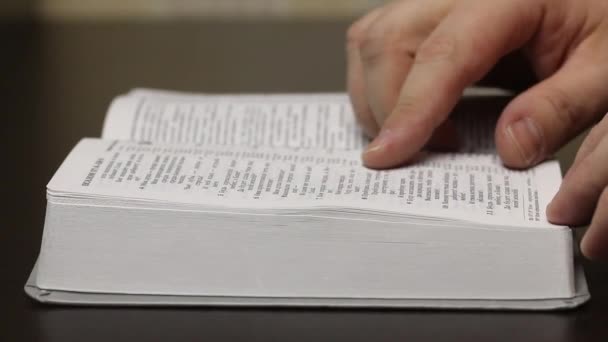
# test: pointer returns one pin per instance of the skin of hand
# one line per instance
(409, 62)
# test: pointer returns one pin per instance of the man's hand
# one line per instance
(409, 62)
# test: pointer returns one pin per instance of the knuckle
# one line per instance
(381, 35)
(437, 48)
(386, 39)
(404, 105)
(464, 60)
(566, 111)
(592, 140)
(375, 47)
(355, 34)
(405, 110)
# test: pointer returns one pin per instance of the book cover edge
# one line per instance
(107, 299)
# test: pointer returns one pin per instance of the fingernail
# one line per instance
(380, 143)
(527, 138)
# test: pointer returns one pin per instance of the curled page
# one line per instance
(284, 121)
(311, 121)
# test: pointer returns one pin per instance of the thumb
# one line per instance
(545, 117)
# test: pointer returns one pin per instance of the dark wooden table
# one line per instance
(56, 80)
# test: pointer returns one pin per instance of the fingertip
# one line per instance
(377, 155)
(585, 249)
(520, 143)
(374, 158)
(592, 247)
(558, 212)
(553, 211)
(391, 148)
(562, 211)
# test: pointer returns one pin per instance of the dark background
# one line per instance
(56, 81)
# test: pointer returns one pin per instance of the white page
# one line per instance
(312, 121)
(315, 121)
(453, 186)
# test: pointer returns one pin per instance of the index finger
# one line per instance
(460, 51)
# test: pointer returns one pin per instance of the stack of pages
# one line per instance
(262, 200)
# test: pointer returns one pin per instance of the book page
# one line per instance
(472, 188)
(475, 131)
(311, 121)
(316, 121)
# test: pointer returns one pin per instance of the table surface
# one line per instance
(56, 82)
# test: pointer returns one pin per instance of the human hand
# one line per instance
(409, 61)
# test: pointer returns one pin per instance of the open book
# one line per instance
(262, 200)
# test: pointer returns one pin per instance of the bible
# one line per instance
(262, 200)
